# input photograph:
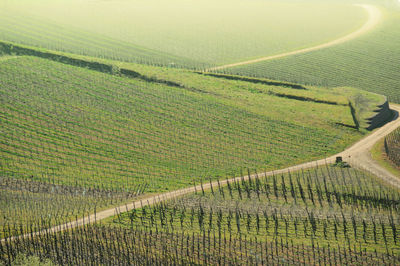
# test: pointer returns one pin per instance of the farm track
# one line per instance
(374, 17)
(358, 155)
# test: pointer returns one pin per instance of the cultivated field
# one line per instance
(82, 127)
(318, 216)
(206, 35)
(373, 59)
(392, 147)
(182, 33)
(45, 204)
(199, 132)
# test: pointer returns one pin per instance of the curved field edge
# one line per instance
(373, 60)
(204, 42)
(360, 148)
(172, 76)
(190, 82)
(374, 17)
(61, 83)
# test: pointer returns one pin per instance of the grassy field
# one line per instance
(250, 93)
(372, 58)
(83, 127)
(194, 34)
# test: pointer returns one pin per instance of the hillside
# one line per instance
(180, 33)
(326, 215)
(72, 124)
(373, 59)
(186, 132)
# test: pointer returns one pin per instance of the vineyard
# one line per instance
(85, 128)
(392, 147)
(201, 46)
(188, 132)
(25, 202)
(317, 216)
(189, 34)
(372, 58)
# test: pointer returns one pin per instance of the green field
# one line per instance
(323, 205)
(208, 33)
(321, 216)
(193, 34)
(392, 147)
(372, 58)
(105, 103)
(25, 202)
(83, 127)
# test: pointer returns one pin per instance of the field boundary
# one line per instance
(15, 50)
(19, 50)
(255, 80)
(358, 155)
(374, 17)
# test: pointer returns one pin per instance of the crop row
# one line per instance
(372, 58)
(322, 215)
(84, 127)
(93, 244)
(23, 202)
(392, 147)
(326, 204)
(24, 31)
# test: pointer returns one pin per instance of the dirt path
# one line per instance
(374, 16)
(358, 155)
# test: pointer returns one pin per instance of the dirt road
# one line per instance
(358, 154)
(374, 16)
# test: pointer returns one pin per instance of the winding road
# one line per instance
(358, 155)
(374, 17)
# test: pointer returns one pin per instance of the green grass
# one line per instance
(369, 62)
(80, 126)
(250, 94)
(205, 33)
